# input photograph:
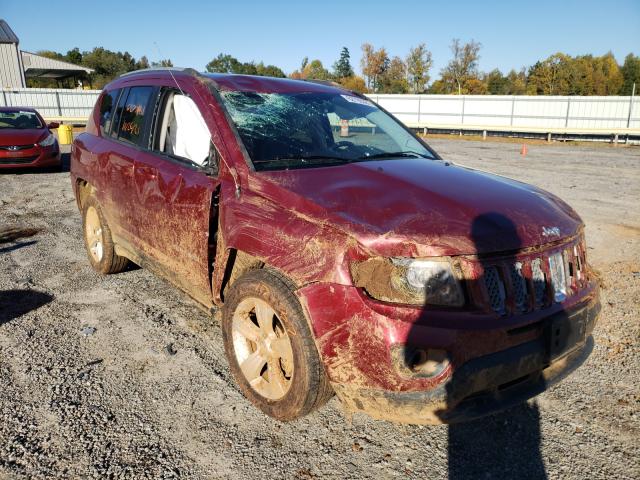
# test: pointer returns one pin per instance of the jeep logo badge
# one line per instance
(550, 231)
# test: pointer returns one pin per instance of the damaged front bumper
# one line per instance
(491, 369)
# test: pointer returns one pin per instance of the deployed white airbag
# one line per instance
(192, 137)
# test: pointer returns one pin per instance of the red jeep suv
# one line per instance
(345, 255)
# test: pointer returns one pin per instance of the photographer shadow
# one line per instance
(493, 432)
(506, 444)
(15, 303)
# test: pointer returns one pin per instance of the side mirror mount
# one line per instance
(213, 162)
(52, 125)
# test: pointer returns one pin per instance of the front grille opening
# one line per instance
(14, 148)
(539, 282)
(18, 160)
(495, 289)
(527, 283)
(519, 286)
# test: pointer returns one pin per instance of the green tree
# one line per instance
(316, 71)
(463, 66)
(517, 82)
(551, 76)
(142, 63)
(497, 84)
(342, 68)
(223, 63)
(394, 77)
(630, 74)
(107, 65)
(373, 63)
(51, 54)
(162, 63)
(439, 87)
(418, 63)
(74, 56)
(354, 83)
(269, 71)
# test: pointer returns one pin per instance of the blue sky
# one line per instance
(513, 34)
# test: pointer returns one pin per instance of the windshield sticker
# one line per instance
(358, 100)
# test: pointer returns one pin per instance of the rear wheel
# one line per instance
(270, 348)
(98, 241)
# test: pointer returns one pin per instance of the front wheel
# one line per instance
(270, 348)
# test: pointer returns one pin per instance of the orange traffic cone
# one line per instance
(523, 150)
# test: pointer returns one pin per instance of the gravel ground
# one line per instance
(124, 377)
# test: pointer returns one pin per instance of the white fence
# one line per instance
(516, 113)
(579, 115)
(53, 103)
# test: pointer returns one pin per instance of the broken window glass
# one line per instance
(294, 130)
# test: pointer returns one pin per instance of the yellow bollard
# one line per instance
(65, 134)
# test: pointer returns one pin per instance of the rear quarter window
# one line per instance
(135, 112)
(107, 110)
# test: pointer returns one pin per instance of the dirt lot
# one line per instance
(123, 377)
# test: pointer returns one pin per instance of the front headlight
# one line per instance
(47, 142)
(409, 280)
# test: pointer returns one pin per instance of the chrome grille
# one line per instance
(495, 289)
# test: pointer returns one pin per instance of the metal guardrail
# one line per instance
(557, 115)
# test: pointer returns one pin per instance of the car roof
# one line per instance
(13, 109)
(234, 82)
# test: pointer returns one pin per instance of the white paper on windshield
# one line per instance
(358, 100)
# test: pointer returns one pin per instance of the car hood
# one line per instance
(14, 136)
(426, 207)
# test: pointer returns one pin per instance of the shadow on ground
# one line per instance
(17, 246)
(15, 303)
(505, 445)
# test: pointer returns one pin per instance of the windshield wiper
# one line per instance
(403, 154)
(306, 160)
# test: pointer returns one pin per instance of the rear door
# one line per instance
(127, 136)
(174, 188)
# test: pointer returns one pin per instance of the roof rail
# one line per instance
(155, 69)
(329, 83)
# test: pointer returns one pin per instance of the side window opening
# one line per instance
(135, 113)
(119, 108)
(182, 130)
(107, 111)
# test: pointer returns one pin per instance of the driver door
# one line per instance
(174, 190)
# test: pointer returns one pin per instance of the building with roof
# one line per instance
(16, 66)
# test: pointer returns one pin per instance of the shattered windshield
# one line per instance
(295, 130)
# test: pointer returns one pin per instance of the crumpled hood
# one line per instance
(440, 209)
(14, 136)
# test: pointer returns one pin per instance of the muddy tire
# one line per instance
(98, 241)
(270, 349)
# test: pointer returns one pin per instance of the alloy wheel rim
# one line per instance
(262, 348)
(93, 231)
